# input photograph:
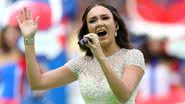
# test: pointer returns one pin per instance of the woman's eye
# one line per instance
(92, 21)
(105, 18)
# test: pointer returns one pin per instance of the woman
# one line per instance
(12, 67)
(110, 71)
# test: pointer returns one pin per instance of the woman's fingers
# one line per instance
(37, 19)
(93, 37)
(89, 44)
(22, 15)
(28, 14)
(18, 21)
(25, 13)
(93, 40)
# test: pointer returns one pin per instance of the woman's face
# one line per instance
(11, 36)
(100, 21)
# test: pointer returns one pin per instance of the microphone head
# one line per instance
(83, 41)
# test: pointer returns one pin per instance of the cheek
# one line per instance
(11, 38)
(112, 26)
(111, 30)
(91, 27)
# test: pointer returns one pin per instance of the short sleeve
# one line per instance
(135, 57)
(73, 65)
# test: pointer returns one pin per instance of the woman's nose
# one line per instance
(99, 23)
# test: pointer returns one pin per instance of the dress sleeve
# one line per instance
(73, 65)
(135, 57)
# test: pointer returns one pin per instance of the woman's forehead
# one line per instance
(98, 10)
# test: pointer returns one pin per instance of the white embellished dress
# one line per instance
(92, 81)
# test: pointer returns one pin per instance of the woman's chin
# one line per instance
(103, 43)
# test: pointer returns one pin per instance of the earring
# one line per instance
(116, 34)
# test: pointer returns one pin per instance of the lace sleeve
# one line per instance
(73, 65)
(135, 57)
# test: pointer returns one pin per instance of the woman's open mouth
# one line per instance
(102, 33)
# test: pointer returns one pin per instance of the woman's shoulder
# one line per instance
(134, 57)
(76, 64)
(132, 51)
(79, 59)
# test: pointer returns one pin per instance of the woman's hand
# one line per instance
(94, 45)
(27, 25)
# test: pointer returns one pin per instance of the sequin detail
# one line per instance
(93, 84)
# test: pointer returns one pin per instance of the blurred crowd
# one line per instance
(163, 82)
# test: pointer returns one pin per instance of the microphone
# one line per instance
(84, 41)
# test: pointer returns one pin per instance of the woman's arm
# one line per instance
(47, 80)
(122, 87)
(37, 80)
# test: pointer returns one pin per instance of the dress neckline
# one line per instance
(109, 57)
(116, 53)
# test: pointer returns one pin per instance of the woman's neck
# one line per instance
(12, 55)
(110, 49)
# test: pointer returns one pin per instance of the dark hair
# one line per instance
(4, 44)
(122, 37)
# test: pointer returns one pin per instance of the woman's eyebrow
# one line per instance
(94, 17)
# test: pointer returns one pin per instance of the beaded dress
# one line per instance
(92, 81)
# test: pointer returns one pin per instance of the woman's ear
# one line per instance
(117, 27)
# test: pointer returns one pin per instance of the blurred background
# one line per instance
(156, 27)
